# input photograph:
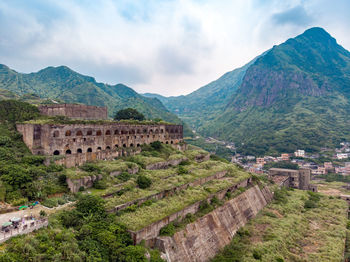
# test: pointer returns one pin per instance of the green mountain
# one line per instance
(295, 95)
(65, 85)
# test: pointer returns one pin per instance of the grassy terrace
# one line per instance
(292, 229)
(160, 209)
(170, 178)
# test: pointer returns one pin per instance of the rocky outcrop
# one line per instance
(165, 164)
(202, 157)
(201, 240)
(131, 171)
(88, 181)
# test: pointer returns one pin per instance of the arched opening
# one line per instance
(138, 131)
(68, 152)
(150, 131)
(108, 132)
(116, 146)
(108, 148)
(79, 133)
(79, 151)
(89, 133)
(124, 145)
(132, 131)
(98, 133)
(116, 132)
(138, 145)
(145, 131)
(56, 153)
(162, 131)
(89, 150)
(166, 142)
(157, 131)
(68, 133)
(131, 145)
(175, 130)
(124, 132)
(171, 142)
(99, 148)
(39, 153)
(56, 134)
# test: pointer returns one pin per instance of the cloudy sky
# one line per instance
(170, 47)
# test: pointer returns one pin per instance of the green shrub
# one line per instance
(143, 181)
(42, 213)
(124, 176)
(19, 202)
(100, 184)
(156, 145)
(168, 230)
(81, 189)
(185, 162)
(257, 254)
(61, 201)
(90, 167)
(182, 170)
(50, 202)
(310, 204)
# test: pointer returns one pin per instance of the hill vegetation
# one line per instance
(62, 84)
(295, 95)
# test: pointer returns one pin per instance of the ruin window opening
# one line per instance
(138, 145)
(89, 133)
(79, 133)
(99, 148)
(108, 148)
(116, 146)
(166, 142)
(145, 131)
(68, 133)
(98, 133)
(138, 131)
(171, 142)
(56, 153)
(161, 131)
(108, 132)
(124, 145)
(79, 151)
(131, 145)
(56, 134)
(116, 132)
(68, 152)
(89, 150)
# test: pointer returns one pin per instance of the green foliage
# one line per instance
(168, 230)
(100, 184)
(12, 111)
(91, 167)
(129, 113)
(181, 170)
(124, 176)
(143, 181)
(156, 145)
(280, 195)
(89, 204)
(42, 213)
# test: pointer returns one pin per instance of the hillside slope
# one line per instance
(294, 96)
(65, 85)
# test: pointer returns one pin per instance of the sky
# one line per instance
(169, 47)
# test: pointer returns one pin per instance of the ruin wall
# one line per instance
(203, 239)
(74, 111)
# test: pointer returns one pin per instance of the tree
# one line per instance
(89, 204)
(143, 181)
(129, 113)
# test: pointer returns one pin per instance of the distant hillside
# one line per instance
(295, 95)
(65, 85)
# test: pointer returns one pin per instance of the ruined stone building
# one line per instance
(79, 143)
(74, 111)
(299, 179)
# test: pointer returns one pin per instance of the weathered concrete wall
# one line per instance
(74, 111)
(201, 240)
(86, 182)
(81, 140)
(152, 231)
(169, 192)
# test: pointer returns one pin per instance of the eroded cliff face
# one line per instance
(201, 240)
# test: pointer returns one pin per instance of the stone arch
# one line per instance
(166, 142)
(89, 133)
(151, 131)
(157, 131)
(108, 132)
(98, 133)
(56, 153)
(116, 146)
(68, 133)
(79, 133)
(132, 131)
(108, 148)
(56, 133)
(124, 132)
(162, 131)
(79, 151)
(116, 132)
(89, 150)
(138, 145)
(99, 148)
(124, 145)
(171, 142)
(68, 152)
(131, 145)
(138, 131)
(145, 131)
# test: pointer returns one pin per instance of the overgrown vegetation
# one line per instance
(290, 229)
(86, 233)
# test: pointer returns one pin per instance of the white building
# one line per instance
(342, 156)
(299, 153)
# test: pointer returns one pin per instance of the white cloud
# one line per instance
(167, 47)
